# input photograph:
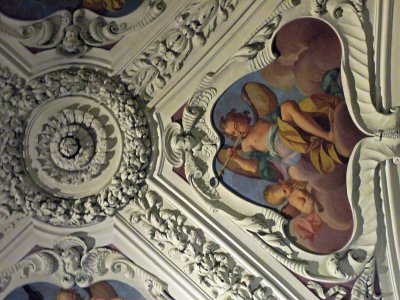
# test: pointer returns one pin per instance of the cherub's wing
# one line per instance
(261, 99)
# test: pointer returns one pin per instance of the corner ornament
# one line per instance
(193, 143)
(73, 34)
(73, 262)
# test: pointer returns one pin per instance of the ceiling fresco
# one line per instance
(104, 290)
(38, 9)
(288, 136)
(197, 149)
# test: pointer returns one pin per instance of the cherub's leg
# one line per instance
(291, 112)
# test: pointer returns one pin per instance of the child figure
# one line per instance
(296, 194)
(301, 206)
(264, 140)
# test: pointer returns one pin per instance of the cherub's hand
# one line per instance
(306, 195)
(232, 152)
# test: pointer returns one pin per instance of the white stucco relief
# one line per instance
(124, 149)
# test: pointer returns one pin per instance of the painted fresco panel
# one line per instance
(287, 137)
(34, 9)
(104, 290)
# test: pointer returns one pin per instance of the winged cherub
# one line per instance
(284, 132)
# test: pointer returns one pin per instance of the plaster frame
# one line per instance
(182, 146)
(131, 239)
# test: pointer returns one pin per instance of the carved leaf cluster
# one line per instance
(73, 34)
(71, 262)
(213, 268)
(17, 190)
(150, 72)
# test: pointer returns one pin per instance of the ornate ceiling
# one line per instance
(112, 143)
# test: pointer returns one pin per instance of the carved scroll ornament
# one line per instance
(72, 262)
(186, 145)
(73, 34)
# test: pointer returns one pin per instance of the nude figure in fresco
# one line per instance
(302, 206)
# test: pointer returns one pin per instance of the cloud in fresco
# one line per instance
(308, 48)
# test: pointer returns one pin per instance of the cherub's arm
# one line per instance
(247, 164)
(258, 164)
(302, 200)
(290, 212)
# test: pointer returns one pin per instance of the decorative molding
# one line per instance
(212, 268)
(73, 34)
(72, 262)
(337, 291)
(319, 7)
(150, 72)
(9, 219)
(183, 145)
(121, 177)
(256, 52)
(356, 77)
(193, 143)
(72, 142)
(364, 288)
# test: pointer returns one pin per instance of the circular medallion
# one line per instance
(72, 147)
(75, 147)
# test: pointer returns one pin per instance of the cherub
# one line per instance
(285, 132)
(302, 206)
(297, 195)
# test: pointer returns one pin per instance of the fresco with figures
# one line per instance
(287, 137)
(34, 9)
(104, 290)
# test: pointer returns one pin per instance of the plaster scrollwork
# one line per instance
(348, 20)
(337, 291)
(214, 269)
(268, 227)
(193, 143)
(9, 219)
(74, 146)
(319, 7)
(73, 262)
(150, 72)
(256, 52)
(363, 288)
(73, 34)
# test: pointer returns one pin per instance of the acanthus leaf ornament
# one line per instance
(73, 262)
(319, 7)
(346, 264)
(150, 72)
(73, 34)
(214, 269)
(62, 133)
(193, 142)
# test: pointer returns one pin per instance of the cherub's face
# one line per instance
(285, 188)
(237, 127)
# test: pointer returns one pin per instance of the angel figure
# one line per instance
(302, 205)
(282, 132)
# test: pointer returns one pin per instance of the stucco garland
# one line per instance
(19, 191)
